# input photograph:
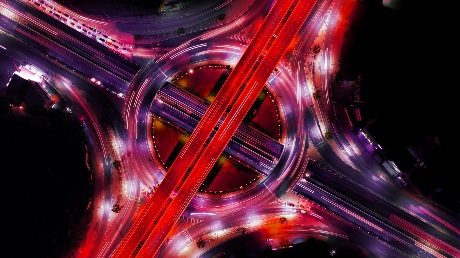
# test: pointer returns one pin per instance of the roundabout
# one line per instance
(277, 118)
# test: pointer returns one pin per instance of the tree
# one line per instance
(116, 164)
(200, 243)
(328, 135)
(181, 31)
(242, 230)
(317, 94)
(316, 49)
(116, 208)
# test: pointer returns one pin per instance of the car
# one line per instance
(401, 180)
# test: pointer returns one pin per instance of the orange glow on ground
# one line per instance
(54, 98)
(274, 229)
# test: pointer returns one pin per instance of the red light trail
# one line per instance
(248, 79)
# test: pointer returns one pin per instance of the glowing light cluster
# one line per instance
(186, 50)
(7, 13)
(28, 72)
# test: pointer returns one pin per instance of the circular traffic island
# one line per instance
(252, 152)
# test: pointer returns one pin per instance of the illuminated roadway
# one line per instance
(126, 208)
(323, 146)
(86, 58)
(158, 202)
(359, 174)
(183, 110)
(369, 210)
(230, 124)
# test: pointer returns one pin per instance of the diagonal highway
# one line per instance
(292, 22)
(214, 133)
(174, 178)
(183, 111)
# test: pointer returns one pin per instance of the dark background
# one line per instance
(46, 187)
(402, 57)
